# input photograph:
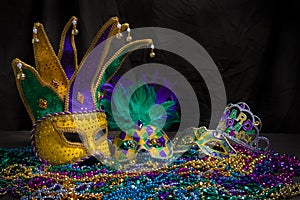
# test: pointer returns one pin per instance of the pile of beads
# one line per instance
(245, 175)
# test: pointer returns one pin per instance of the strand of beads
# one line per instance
(245, 175)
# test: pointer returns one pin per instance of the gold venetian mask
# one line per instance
(62, 99)
(55, 137)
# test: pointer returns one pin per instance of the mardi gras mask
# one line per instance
(209, 142)
(54, 142)
(61, 96)
(149, 139)
(143, 123)
(237, 125)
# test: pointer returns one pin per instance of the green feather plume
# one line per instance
(140, 106)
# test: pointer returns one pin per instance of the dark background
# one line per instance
(255, 44)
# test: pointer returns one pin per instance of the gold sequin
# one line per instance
(80, 98)
(43, 103)
(55, 83)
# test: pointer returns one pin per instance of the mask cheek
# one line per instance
(160, 148)
(51, 145)
(122, 155)
(125, 147)
(100, 141)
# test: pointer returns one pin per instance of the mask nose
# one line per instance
(143, 151)
(143, 154)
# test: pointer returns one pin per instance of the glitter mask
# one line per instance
(237, 125)
(52, 133)
(149, 139)
(62, 99)
(209, 142)
(142, 125)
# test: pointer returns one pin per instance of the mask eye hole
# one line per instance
(216, 146)
(156, 142)
(72, 137)
(100, 134)
(128, 144)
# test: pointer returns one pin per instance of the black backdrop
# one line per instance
(254, 43)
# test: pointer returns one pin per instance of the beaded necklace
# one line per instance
(245, 175)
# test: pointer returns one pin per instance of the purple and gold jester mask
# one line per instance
(142, 117)
(62, 97)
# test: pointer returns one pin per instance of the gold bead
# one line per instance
(75, 32)
(119, 35)
(128, 38)
(152, 54)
